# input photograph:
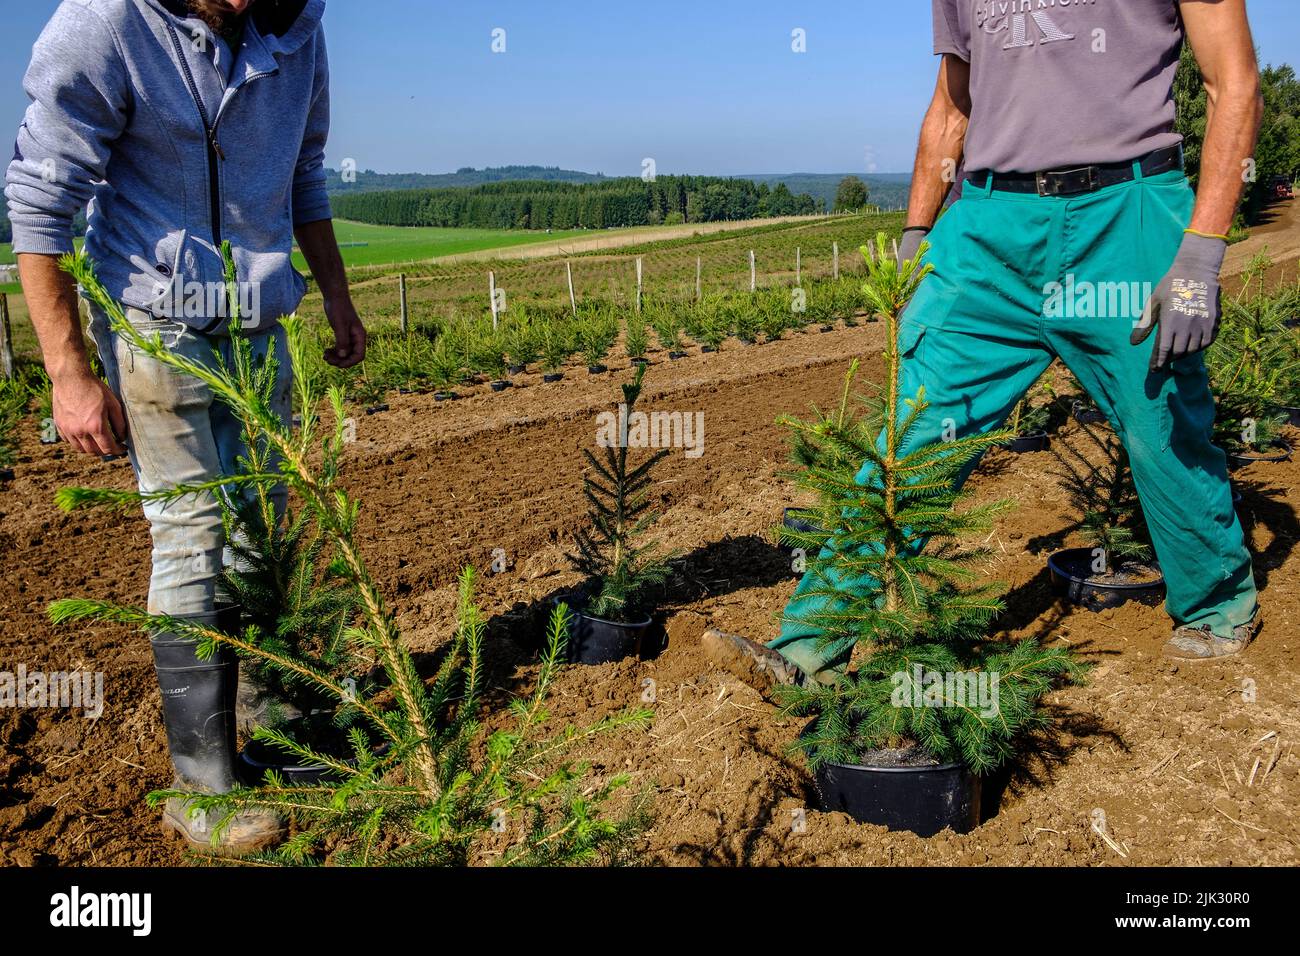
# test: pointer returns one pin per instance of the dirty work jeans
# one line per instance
(178, 432)
(983, 327)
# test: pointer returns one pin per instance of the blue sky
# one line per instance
(710, 86)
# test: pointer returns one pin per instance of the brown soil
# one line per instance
(1129, 573)
(1174, 763)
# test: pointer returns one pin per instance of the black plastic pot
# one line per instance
(827, 328)
(708, 348)
(791, 520)
(376, 409)
(516, 369)
(924, 800)
(1281, 452)
(1034, 441)
(597, 369)
(443, 396)
(640, 362)
(1071, 570)
(6, 474)
(552, 376)
(500, 386)
(258, 757)
(676, 355)
(593, 640)
(1292, 413)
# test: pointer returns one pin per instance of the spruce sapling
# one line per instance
(896, 588)
(617, 567)
(420, 783)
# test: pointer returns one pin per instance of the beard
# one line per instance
(216, 14)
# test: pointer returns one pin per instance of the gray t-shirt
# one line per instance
(1062, 83)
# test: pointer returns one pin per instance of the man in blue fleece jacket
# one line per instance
(177, 125)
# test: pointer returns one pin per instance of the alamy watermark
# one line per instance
(651, 430)
(1073, 299)
(971, 690)
(68, 690)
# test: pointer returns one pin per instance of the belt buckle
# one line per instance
(1056, 188)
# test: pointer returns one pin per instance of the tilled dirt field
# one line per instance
(1174, 764)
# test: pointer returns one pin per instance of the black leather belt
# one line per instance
(1085, 179)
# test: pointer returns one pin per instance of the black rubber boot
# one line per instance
(198, 701)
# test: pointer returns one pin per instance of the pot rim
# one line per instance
(632, 625)
(291, 767)
(1054, 565)
(1284, 450)
(867, 768)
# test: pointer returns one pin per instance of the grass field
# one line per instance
(366, 245)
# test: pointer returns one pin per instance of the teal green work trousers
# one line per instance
(1020, 280)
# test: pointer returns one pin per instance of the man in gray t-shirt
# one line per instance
(1056, 83)
(1076, 237)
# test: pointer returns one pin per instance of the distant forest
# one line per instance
(361, 181)
(565, 205)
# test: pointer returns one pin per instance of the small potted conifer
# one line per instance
(1117, 565)
(1028, 426)
(636, 339)
(927, 701)
(613, 614)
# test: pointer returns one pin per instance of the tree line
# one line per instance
(560, 205)
(1277, 154)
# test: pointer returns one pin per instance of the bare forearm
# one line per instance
(938, 156)
(52, 302)
(321, 250)
(943, 140)
(1233, 117)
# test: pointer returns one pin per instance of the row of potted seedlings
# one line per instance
(443, 357)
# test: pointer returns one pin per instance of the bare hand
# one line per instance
(89, 416)
(349, 334)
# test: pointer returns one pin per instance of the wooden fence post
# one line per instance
(401, 294)
(835, 252)
(638, 283)
(6, 339)
(573, 300)
(699, 286)
(492, 294)
(753, 273)
(798, 265)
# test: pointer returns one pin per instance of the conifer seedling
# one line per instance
(897, 589)
(420, 782)
(618, 568)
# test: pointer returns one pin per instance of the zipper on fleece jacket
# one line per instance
(215, 153)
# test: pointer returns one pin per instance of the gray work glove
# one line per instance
(1186, 303)
(908, 246)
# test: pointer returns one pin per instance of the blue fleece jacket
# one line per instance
(114, 127)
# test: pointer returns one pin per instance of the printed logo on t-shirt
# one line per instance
(1027, 23)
